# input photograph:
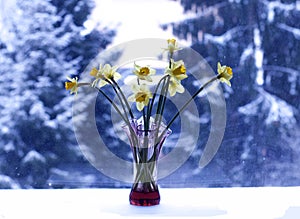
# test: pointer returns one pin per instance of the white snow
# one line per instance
(272, 5)
(33, 156)
(293, 80)
(205, 118)
(9, 147)
(259, 57)
(246, 53)
(278, 110)
(9, 183)
(136, 19)
(38, 109)
(51, 123)
(228, 203)
(282, 69)
(4, 129)
(271, 15)
(224, 38)
(293, 30)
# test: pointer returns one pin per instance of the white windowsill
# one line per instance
(235, 203)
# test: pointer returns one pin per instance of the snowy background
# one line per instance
(43, 41)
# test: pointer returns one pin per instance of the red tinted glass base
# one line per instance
(144, 198)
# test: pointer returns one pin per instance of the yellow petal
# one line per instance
(69, 85)
(140, 97)
(139, 106)
(148, 78)
(94, 72)
(228, 73)
(180, 88)
(144, 71)
(171, 41)
(102, 83)
(225, 81)
(181, 77)
(117, 76)
(172, 91)
(219, 68)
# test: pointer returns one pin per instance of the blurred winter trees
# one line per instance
(260, 39)
(42, 42)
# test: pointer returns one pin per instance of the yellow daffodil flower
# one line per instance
(107, 72)
(97, 74)
(141, 95)
(177, 70)
(143, 73)
(175, 87)
(225, 74)
(72, 85)
(172, 46)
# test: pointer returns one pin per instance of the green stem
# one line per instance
(150, 106)
(162, 98)
(125, 119)
(110, 100)
(164, 94)
(145, 119)
(120, 98)
(124, 98)
(114, 105)
(145, 174)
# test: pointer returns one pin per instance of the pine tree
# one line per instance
(260, 40)
(45, 45)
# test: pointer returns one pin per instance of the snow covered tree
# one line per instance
(42, 43)
(260, 40)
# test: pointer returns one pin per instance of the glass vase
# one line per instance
(146, 143)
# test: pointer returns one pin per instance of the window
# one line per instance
(48, 40)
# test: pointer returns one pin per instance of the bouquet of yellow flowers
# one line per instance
(147, 134)
(169, 83)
